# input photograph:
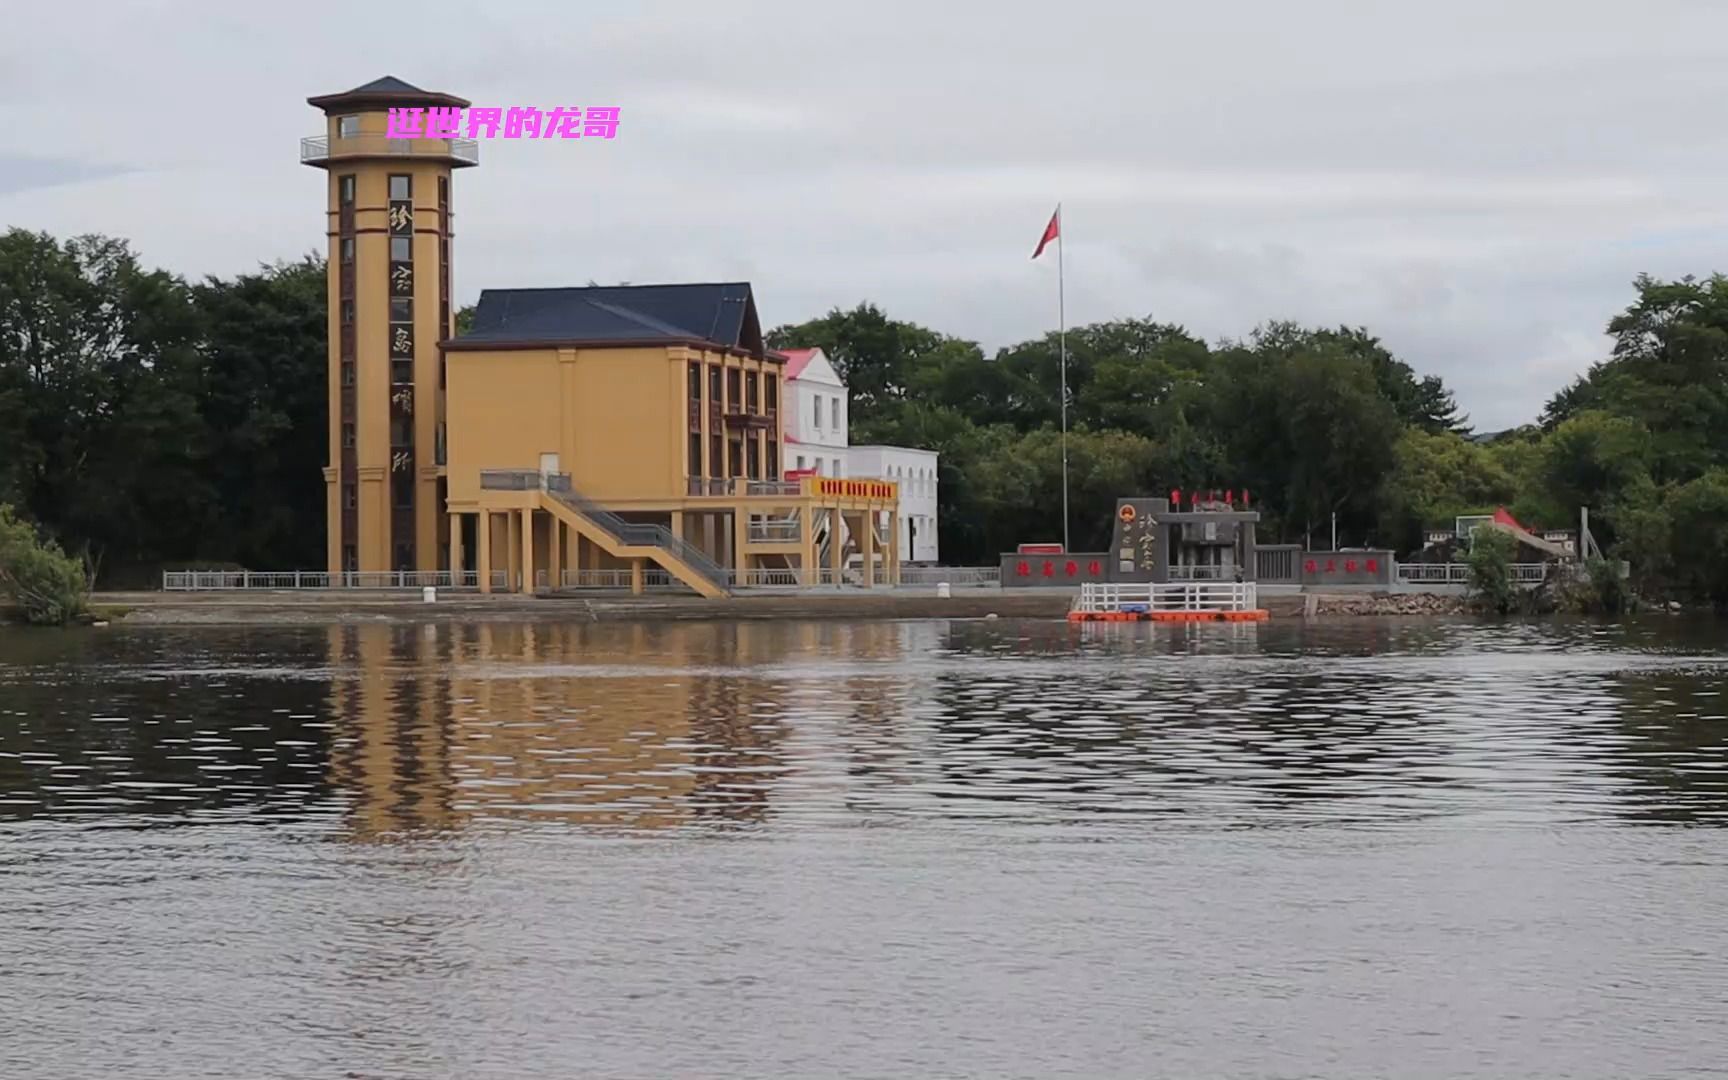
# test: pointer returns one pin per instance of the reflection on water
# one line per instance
(402, 729)
(885, 849)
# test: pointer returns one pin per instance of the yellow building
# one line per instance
(572, 437)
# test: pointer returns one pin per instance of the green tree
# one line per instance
(1434, 478)
(99, 381)
(1490, 561)
(874, 355)
(48, 585)
(262, 408)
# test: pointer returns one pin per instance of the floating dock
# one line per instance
(1186, 601)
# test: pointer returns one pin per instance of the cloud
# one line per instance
(1476, 184)
(20, 174)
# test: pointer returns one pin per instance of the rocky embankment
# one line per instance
(1389, 604)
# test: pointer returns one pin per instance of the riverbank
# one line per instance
(314, 608)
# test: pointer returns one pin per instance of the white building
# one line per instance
(814, 418)
(814, 414)
(915, 472)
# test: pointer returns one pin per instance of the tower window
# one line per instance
(401, 309)
(347, 373)
(402, 372)
(401, 187)
(348, 311)
(349, 500)
(347, 249)
(347, 436)
(400, 248)
(345, 188)
(347, 127)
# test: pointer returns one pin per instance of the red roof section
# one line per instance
(1504, 517)
(797, 360)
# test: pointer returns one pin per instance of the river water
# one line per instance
(898, 849)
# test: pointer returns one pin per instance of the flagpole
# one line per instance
(1062, 338)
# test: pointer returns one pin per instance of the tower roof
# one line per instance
(384, 93)
(719, 315)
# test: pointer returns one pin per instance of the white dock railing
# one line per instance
(1176, 596)
(1459, 573)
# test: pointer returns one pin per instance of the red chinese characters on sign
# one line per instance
(1310, 567)
(1094, 568)
(1373, 566)
(1331, 566)
(1023, 569)
(1049, 568)
(1349, 566)
(1071, 568)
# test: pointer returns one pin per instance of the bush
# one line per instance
(1608, 593)
(1490, 562)
(49, 586)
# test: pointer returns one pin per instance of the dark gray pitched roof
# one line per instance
(389, 84)
(722, 314)
(388, 92)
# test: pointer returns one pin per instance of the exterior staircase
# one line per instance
(633, 540)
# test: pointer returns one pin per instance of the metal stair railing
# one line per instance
(636, 534)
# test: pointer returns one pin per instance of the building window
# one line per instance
(401, 187)
(714, 387)
(834, 412)
(695, 453)
(347, 373)
(800, 462)
(404, 557)
(752, 391)
(349, 500)
(347, 436)
(401, 248)
(402, 492)
(753, 459)
(347, 127)
(693, 382)
(402, 372)
(716, 462)
(737, 456)
(350, 558)
(444, 193)
(773, 460)
(345, 189)
(401, 309)
(401, 432)
(348, 311)
(818, 412)
(733, 398)
(773, 393)
(348, 249)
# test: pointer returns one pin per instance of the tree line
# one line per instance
(147, 421)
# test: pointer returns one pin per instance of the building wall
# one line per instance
(812, 399)
(618, 419)
(916, 473)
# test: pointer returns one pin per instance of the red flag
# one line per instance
(1051, 232)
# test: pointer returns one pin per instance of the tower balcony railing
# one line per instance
(321, 148)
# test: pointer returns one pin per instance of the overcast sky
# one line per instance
(1476, 182)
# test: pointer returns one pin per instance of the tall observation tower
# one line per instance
(388, 220)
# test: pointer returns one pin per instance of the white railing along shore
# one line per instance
(1176, 596)
(653, 578)
(1459, 573)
